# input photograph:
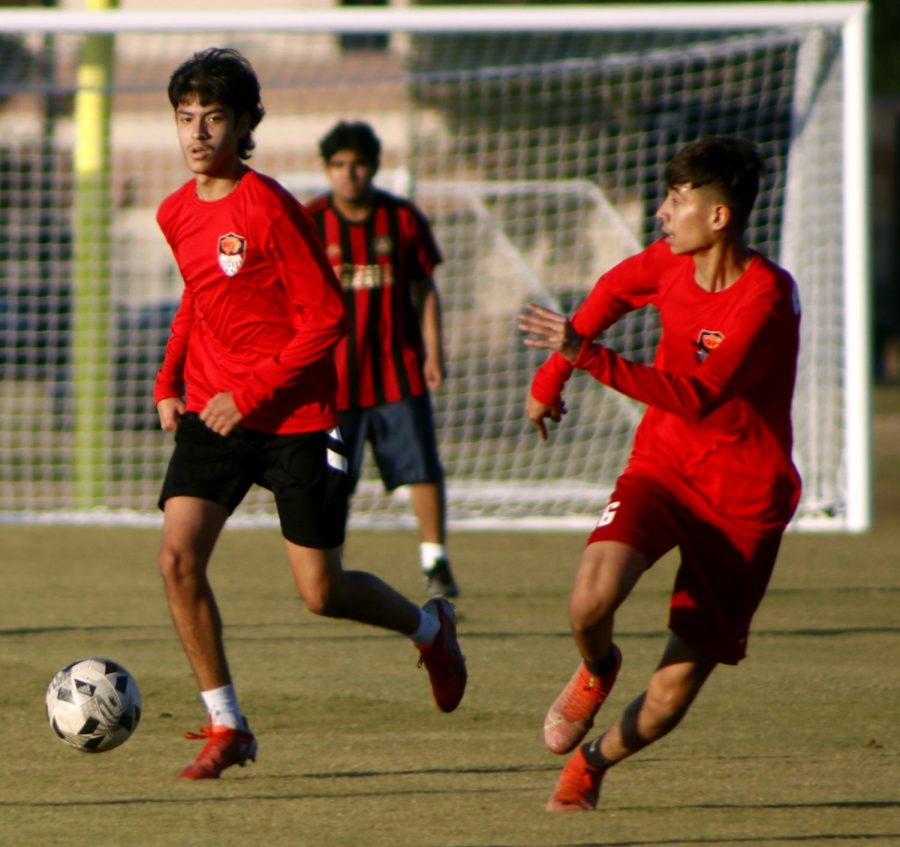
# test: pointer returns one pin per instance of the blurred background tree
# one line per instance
(885, 46)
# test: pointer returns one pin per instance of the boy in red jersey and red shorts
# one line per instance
(710, 470)
(248, 387)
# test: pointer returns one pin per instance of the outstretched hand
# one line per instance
(550, 331)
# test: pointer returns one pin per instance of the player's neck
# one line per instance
(721, 266)
(355, 211)
(216, 187)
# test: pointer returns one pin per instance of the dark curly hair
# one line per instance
(220, 75)
(357, 136)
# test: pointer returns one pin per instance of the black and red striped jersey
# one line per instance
(378, 262)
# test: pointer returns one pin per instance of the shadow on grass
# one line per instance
(834, 805)
(54, 630)
(245, 632)
(870, 837)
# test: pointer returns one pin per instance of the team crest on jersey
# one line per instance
(383, 245)
(335, 254)
(232, 249)
(707, 341)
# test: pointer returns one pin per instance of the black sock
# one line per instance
(593, 756)
(602, 666)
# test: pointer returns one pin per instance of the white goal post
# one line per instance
(533, 137)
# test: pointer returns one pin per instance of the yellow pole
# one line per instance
(91, 319)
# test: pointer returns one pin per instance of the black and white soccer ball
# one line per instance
(93, 704)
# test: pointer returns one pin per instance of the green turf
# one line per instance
(797, 746)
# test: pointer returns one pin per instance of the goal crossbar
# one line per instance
(433, 19)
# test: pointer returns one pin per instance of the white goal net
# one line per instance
(535, 141)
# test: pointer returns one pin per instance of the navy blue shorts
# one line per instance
(306, 472)
(402, 438)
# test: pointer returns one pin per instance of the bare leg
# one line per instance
(428, 503)
(327, 589)
(655, 713)
(191, 527)
(607, 573)
(672, 688)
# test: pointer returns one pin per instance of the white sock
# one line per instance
(222, 707)
(427, 630)
(429, 553)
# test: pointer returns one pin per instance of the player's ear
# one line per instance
(242, 124)
(721, 216)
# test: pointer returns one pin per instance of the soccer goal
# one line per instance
(534, 138)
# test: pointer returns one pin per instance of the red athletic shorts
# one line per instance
(723, 573)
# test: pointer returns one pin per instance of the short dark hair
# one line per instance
(730, 166)
(357, 136)
(220, 75)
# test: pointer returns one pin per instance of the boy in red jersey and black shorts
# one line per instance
(248, 387)
(710, 470)
(383, 251)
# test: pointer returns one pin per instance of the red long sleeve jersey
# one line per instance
(261, 308)
(718, 426)
(378, 261)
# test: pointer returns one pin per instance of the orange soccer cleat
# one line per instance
(578, 788)
(572, 715)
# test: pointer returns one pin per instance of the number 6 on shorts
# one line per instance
(609, 513)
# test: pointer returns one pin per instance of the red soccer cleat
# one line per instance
(578, 788)
(572, 715)
(443, 659)
(224, 747)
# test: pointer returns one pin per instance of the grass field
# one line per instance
(799, 745)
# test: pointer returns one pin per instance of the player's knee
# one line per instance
(322, 600)
(606, 574)
(179, 570)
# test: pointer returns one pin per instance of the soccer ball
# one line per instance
(93, 704)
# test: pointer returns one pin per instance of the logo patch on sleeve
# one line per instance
(232, 249)
(707, 341)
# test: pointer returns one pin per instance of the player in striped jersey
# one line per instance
(384, 254)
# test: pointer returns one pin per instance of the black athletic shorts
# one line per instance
(306, 472)
(403, 441)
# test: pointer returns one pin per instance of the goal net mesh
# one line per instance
(538, 159)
